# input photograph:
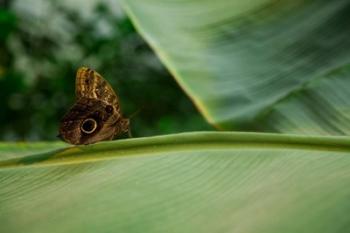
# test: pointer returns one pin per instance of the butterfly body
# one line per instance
(96, 114)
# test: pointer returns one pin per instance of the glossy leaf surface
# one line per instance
(195, 182)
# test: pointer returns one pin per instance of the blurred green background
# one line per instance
(42, 43)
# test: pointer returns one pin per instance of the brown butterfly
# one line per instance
(96, 115)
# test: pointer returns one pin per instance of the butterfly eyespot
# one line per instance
(88, 126)
(109, 109)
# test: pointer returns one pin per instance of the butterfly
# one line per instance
(96, 114)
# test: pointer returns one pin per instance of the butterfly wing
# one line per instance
(90, 84)
(96, 104)
(106, 124)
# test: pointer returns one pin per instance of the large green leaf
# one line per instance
(256, 65)
(195, 182)
(10, 150)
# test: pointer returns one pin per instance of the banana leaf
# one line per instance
(193, 182)
(260, 65)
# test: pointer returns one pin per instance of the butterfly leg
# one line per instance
(129, 133)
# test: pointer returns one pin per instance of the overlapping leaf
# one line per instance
(256, 65)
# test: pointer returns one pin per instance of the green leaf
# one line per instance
(194, 182)
(17, 149)
(256, 65)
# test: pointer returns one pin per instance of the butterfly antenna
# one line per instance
(136, 112)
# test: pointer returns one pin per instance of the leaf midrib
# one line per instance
(195, 141)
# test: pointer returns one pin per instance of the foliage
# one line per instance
(195, 182)
(256, 65)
